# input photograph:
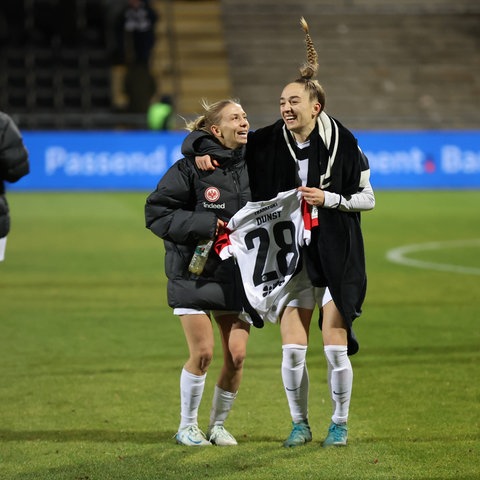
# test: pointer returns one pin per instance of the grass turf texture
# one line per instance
(90, 354)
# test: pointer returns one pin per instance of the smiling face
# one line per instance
(298, 111)
(232, 127)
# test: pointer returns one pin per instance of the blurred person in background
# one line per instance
(14, 164)
(189, 206)
(160, 114)
(133, 85)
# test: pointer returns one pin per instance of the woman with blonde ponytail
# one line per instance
(311, 151)
(187, 207)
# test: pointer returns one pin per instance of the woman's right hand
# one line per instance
(205, 162)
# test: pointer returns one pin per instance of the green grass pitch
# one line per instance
(90, 353)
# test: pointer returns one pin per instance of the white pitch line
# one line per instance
(398, 255)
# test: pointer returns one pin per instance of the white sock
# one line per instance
(340, 381)
(295, 380)
(221, 405)
(191, 391)
(329, 382)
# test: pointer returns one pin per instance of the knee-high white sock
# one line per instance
(340, 381)
(221, 405)
(295, 380)
(329, 383)
(191, 391)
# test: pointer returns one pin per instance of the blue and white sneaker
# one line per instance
(337, 435)
(191, 436)
(300, 435)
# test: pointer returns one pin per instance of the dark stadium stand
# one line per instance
(54, 63)
(402, 65)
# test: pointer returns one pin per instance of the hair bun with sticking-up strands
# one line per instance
(309, 69)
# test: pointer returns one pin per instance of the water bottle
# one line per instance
(199, 258)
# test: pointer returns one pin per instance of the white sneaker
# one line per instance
(191, 436)
(218, 435)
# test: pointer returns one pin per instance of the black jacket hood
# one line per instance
(199, 143)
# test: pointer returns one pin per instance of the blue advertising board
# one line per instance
(98, 160)
(422, 160)
(137, 160)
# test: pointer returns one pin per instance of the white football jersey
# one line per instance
(265, 240)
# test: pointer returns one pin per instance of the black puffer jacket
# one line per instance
(183, 210)
(13, 164)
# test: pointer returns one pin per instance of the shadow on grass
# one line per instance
(257, 460)
(145, 438)
(85, 436)
(109, 436)
(474, 437)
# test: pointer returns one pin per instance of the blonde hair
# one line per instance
(309, 70)
(212, 115)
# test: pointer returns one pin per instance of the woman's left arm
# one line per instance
(361, 201)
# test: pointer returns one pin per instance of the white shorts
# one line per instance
(298, 293)
(301, 294)
(192, 311)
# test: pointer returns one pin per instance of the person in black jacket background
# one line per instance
(189, 206)
(14, 165)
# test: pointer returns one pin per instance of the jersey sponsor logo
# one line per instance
(212, 194)
(213, 205)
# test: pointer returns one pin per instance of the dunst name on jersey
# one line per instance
(268, 217)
